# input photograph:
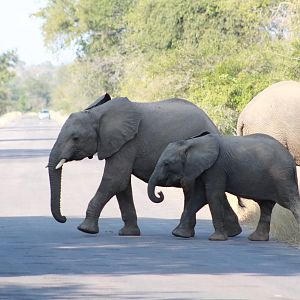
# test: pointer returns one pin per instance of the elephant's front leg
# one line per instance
(216, 204)
(115, 181)
(128, 212)
(194, 200)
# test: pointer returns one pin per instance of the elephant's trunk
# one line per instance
(151, 191)
(55, 187)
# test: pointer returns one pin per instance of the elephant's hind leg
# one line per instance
(128, 213)
(231, 221)
(296, 214)
(294, 207)
(263, 228)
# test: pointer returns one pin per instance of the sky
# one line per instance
(21, 32)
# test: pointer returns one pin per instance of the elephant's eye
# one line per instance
(166, 163)
(75, 138)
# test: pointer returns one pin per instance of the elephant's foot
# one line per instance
(233, 229)
(218, 236)
(259, 236)
(184, 232)
(89, 226)
(132, 230)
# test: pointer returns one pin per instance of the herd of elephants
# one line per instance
(174, 143)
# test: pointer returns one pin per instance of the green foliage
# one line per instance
(218, 54)
(84, 81)
(32, 87)
(68, 87)
(92, 25)
(24, 88)
(295, 57)
(155, 24)
(8, 61)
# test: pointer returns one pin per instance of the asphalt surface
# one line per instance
(42, 259)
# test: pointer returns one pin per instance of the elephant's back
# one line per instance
(273, 111)
(282, 93)
(260, 149)
(178, 115)
(278, 98)
(260, 159)
(164, 122)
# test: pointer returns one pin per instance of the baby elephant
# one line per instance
(256, 166)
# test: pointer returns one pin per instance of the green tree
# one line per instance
(32, 88)
(218, 54)
(93, 26)
(96, 29)
(8, 61)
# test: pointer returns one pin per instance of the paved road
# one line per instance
(42, 259)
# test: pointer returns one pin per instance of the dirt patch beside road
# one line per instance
(7, 118)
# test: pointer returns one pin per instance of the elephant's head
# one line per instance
(104, 127)
(182, 162)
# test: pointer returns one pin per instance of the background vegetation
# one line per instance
(217, 54)
(7, 63)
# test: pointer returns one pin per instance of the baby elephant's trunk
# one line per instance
(151, 191)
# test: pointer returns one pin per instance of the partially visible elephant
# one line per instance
(130, 137)
(255, 167)
(275, 111)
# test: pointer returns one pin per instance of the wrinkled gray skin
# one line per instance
(255, 167)
(275, 111)
(130, 137)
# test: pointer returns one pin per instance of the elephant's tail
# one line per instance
(240, 202)
(296, 177)
(240, 127)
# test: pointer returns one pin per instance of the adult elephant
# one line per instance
(275, 111)
(130, 137)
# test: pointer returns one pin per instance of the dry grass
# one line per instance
(31, 114)
(249, 214)
(284, 226)
(9, 117)
(59, 117)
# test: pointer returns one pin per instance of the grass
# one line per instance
(284, 226)
(9, 117)
(59, 117)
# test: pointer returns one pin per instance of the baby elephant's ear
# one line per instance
(201, 154)
(201, 134)
(101, 100)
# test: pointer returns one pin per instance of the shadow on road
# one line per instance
(23, 153)
(29, 129)
(82, 291)
(39, 246)
(27, 139)
(46, 292)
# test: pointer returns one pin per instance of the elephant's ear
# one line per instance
(118, 125)
(101, 100)
(201, 153)
(201, 134)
